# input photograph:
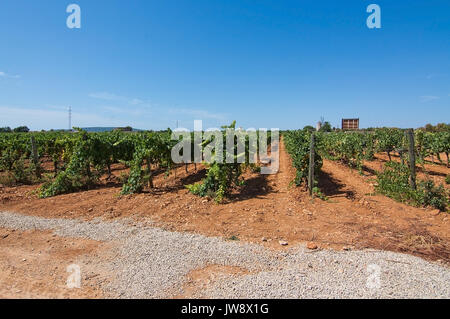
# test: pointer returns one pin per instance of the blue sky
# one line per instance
(275, 64)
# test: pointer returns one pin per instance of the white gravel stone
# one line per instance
(150, 262)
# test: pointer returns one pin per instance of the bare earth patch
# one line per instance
(33, 264)
(200, 279)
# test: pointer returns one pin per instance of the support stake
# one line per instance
(311, 165)
(412, 158)
(35, 157)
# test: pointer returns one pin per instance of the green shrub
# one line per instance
(218, 182)
(393, 182)
(431, 195)
(7, 180)
(222, 177)
(298, 146)
(20, 173)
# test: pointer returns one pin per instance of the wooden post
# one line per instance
(311, 165)
(88, 163)
(150, 173)
(412, 158)
(35, 156)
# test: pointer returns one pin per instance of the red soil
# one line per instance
(267, 207)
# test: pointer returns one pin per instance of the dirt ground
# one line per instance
(200, 279)
(33, 264)
(268, 209)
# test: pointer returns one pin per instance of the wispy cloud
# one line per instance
(139, 109)
(45, 118)
(9, 76)
(57, 107)
(199, 114)
(428, 98)
(435, 75)
(106, 96)
(113, 109)
(125, 111)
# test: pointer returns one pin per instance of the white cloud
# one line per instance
(435, 75)
(124, 110)
(199, 114)
(138, 110)
(113, 109)
(56, 117)
(45, 118)
(106, 96)
(9, 76)
(136, 102)
(428, 98)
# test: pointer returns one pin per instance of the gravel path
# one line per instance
(149, 262)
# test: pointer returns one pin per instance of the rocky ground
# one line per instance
(138, 260)
(270, 239)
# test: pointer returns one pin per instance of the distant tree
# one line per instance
(442, 127)
(21, 129)
(429, 128)
(309, 128)
(6, 129)
(326, 127)
(124, 129)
